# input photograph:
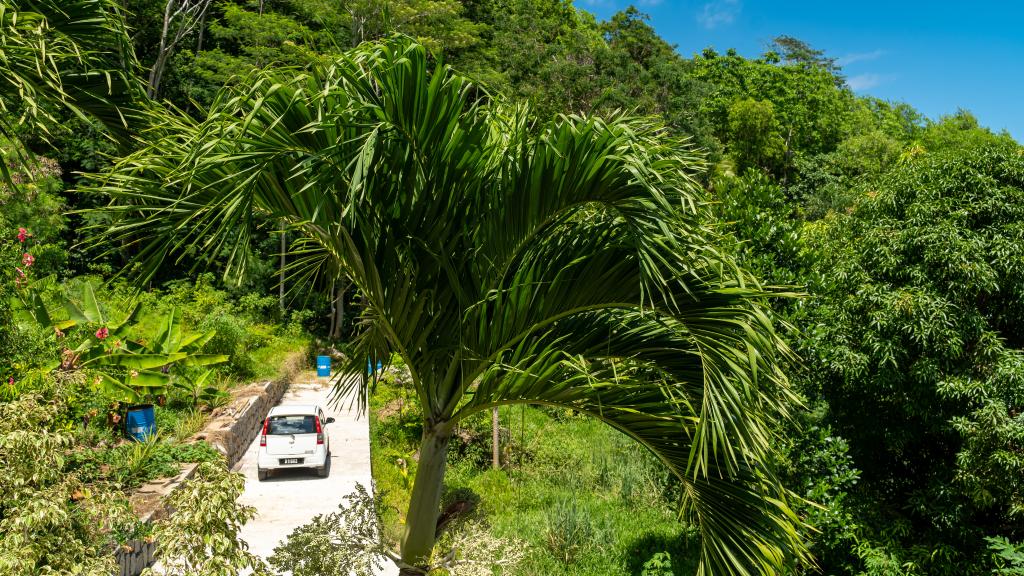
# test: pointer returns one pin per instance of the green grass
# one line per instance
(585, 498)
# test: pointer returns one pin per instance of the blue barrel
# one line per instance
(141, 421)
(369, 367)
(323, 366)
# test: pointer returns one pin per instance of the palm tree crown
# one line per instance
(562, 263)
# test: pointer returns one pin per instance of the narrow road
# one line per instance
(291, 498)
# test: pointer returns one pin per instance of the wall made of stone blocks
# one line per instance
(234, 427)
(231, 430)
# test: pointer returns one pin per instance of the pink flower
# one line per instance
(27, 259)
(22, 235)
(21, 273)
(102, 333)
(10, 381)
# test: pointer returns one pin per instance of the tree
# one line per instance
(915, 341)
(181, 18)
(795, 51)
(755, 138)
(812, 112)
(438, 24)
(564, 264)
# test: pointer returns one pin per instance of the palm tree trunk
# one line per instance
(424, 503)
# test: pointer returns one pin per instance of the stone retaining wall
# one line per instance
(233, 428)
(230, 430)
(135, 557)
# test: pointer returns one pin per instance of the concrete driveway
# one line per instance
(291, 498)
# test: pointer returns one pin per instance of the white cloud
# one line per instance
(719, 12)
(859, 57)
(863, 82)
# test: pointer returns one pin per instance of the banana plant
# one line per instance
(196, 386)
(128, 369)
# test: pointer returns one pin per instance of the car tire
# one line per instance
(262, 474)
(321, 471)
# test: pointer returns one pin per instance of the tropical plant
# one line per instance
(70, 53)
(136, 462)
(128, 369)
(51, 519)
(1009, 557)
(202, 536)
(659, 565)
(504, 262)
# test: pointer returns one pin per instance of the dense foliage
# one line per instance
(915, 327)
(902, 231)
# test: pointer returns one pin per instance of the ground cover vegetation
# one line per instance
(903, 452)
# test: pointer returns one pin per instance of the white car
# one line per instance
(294, 436)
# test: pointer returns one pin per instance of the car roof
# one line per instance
(294, 409)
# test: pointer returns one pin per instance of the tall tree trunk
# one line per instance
(284, 246)
(495, 438)
(339, 310)
(334, 313)
(425, 501)
(202, 31)
(161, 55)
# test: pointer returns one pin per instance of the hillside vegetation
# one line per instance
(868, 260)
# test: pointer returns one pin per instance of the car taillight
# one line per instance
(263, 434)
(319, 432)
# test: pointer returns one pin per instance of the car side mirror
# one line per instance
(330, 420)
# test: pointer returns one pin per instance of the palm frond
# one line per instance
(72, 53)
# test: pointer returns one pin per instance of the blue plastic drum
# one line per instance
(369, 367)
(323, 366)
(141, 421)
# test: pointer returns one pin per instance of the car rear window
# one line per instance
(292, 425)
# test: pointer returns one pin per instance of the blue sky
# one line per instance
(937, 56)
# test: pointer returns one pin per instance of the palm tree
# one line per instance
(563, 263)
(71, 53)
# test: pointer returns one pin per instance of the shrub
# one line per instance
(570, 530)
(344, 542)
(1008, 557)
(202, 536)
(231, 339)
(49, 516)
(659, 565)
(259, 306)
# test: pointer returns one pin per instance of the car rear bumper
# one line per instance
(275, 462)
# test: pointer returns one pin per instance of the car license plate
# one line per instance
(291, 461)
